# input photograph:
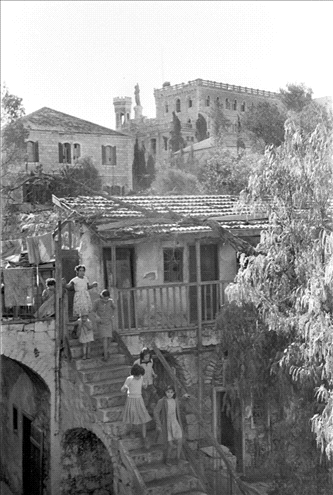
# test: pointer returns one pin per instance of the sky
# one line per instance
(76, 56)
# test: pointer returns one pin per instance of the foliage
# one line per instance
(139, 167)
(220, 123)
(290, 280)
(11, 106)
(78, 179)
(264, 124)
(296, 96)
(175, 181)
(150, 171)
(201, 128)
(176, 141)
(225, 172)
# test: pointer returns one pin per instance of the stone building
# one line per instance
(57, 139)
(61, 415)
(187, 100)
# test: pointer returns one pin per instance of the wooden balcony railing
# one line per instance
(171, 306)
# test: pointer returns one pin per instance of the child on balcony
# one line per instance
(135, 412)
(149, 393)
(167, 418)
(80, 283)
(103, 309)
(86, 334)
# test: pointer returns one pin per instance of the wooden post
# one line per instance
(58, 325)
(199, 331)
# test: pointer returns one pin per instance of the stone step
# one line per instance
(142, 456)
(97, 362)
(116, 429)
(173, 484)
(102, 373)
(107, 386)
(96, 349)
(110, 414)
(158, 470)
(104, 401)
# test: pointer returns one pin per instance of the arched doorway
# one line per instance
(87, 466)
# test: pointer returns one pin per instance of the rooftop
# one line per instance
(48, 119)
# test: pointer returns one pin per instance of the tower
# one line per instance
(122, 108)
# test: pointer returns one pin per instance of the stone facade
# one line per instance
(187, 100)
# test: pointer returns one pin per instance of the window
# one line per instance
(173, 265)
(227, 104)
(217, 101)
(15, 419)
(178, 105)
(64, 153)
(189, 123)
(165, 140)
(32, 151)
(234, 106)
(76, 151)
(190, 103)
(109, 155)
(243, 107)
(166, 108)
(207, 101)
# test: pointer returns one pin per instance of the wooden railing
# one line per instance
(226, 481)
(169, 306)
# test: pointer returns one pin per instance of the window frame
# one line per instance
(170, 262)
(178, 105)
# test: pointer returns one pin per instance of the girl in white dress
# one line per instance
(135, 412)
(82, 302)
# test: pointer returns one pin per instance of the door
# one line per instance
(209, 272)
(32, 458)
(229, 430)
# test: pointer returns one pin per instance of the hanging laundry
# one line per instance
(40, 248)
(11, 250)
(18, 286)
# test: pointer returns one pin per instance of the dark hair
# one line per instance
(50, 281)
(77, 268)
(137, 370)
(105, 293)
(144, 351)
(170, 387)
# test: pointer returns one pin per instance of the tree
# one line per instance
(225, 172)
(220, 123)
(289, 280)
(296, 96)
(11, 106)
(139, 167)
(175, 181)
(201, 128)
(176, 141)
(265, 125)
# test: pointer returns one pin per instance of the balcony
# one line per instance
(168, 307)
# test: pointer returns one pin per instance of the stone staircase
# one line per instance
(102, 381)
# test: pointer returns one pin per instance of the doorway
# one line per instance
(32, 458)
(209, 272)
(227, 425)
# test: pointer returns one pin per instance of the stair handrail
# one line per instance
(138, 482)
(244, 489)
(123, 347)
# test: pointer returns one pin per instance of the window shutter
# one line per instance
(69, 154)
(60, 153)
(36, 152)
(103, 155)
(114, 155)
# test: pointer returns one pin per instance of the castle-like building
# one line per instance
(187, 100)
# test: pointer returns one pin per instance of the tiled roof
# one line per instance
(141, 216)
(48, 119)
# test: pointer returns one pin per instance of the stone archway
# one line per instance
(25, 427)
(86, 464)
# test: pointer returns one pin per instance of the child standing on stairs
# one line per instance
(103, 309)
(135, 412)
(86, 334)
(149, 393)
(80, 284)
(167, 418)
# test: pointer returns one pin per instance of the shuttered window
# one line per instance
(32, 151)
(109, 155)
